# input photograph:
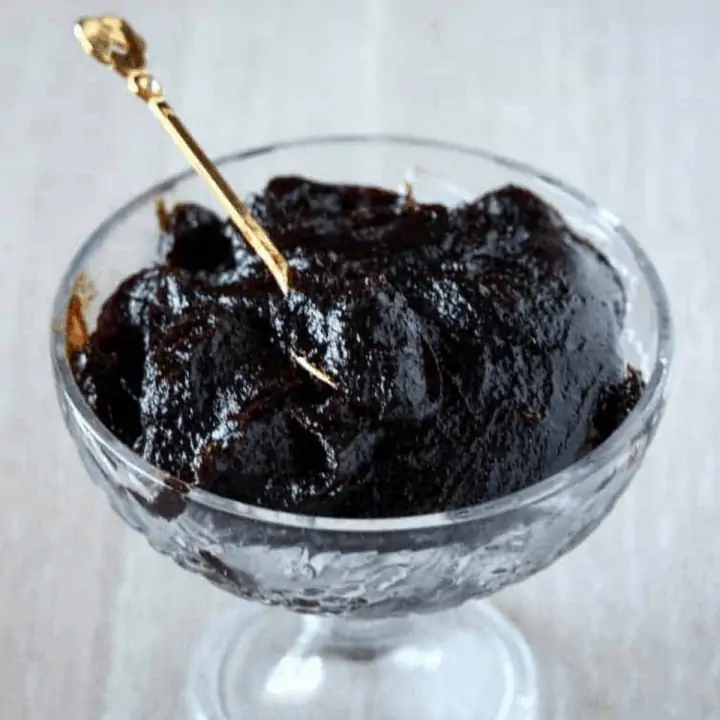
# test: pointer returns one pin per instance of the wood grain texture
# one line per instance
(619, 98)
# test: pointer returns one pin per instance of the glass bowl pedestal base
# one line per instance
(469, 663)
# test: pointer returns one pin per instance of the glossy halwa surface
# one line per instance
(475, 350)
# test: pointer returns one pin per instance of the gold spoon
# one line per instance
(112, 42)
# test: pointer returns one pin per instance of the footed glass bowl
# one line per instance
(379, 623)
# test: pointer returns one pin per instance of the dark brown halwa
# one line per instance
(476, 350)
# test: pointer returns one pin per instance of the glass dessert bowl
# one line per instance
(360, 642)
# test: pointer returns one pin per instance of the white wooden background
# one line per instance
(621, 98)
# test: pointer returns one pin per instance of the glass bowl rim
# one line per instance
(593, 462)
